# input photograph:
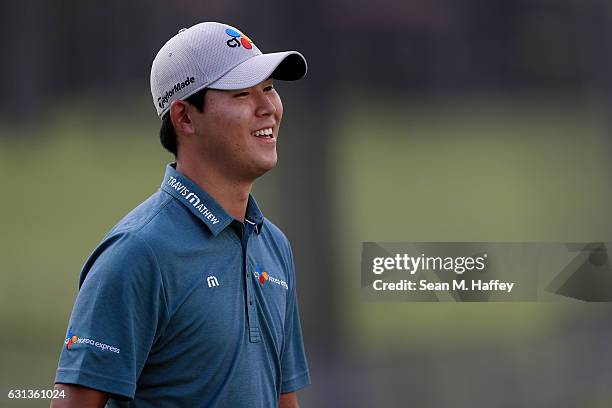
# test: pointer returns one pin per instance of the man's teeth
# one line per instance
(263, 132)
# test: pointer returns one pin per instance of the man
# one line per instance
(190, 300)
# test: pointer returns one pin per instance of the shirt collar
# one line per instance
(254, 215)
(202, 205)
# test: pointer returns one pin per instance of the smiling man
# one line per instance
(190, 300)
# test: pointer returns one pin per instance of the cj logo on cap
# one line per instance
(238, 38)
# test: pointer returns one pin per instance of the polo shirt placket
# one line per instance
(251, 309)
(206, 209)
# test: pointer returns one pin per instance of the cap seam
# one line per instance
(200, 72)
(193, 53)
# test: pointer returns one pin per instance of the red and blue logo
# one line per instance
(263, 276)
(71, 339)
(238, 38)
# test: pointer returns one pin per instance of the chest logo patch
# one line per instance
(212, 281)
(263, 277)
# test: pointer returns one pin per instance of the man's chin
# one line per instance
(269, 166)
(263, 167)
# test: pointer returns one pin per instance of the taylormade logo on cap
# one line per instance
(217, 56)
(162, 100)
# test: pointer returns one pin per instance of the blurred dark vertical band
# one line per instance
(308, 204)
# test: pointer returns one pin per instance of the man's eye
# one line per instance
(269, 88)
(238, 95)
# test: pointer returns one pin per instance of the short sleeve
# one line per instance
(119, 308)
(294, 368)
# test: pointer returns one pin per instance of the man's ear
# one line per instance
(179, 114)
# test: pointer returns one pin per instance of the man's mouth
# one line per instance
(265, 133)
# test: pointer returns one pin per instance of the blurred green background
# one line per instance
(449, 121)
(546, 179)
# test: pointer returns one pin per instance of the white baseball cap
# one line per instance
(217, 56)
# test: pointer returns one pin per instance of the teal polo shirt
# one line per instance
(183, 306)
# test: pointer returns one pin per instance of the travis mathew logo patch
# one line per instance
(238, 38)
(192, 198)
(163, 100)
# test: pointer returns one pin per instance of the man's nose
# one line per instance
(265, 107)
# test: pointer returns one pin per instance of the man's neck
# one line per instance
(232, 195)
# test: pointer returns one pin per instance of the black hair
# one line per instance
(167, 134)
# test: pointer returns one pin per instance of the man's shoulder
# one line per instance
(157, 229)
(129, 242)
(144, 214)
(274, 231)
(137, 230)
(277, 238)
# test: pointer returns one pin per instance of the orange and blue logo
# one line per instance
(71, 339)
(238, 38)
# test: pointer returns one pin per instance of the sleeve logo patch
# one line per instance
(72, 339)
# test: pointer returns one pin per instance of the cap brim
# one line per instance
(286, 66)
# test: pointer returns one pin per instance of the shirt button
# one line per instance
(248, 274)
(251, 300)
